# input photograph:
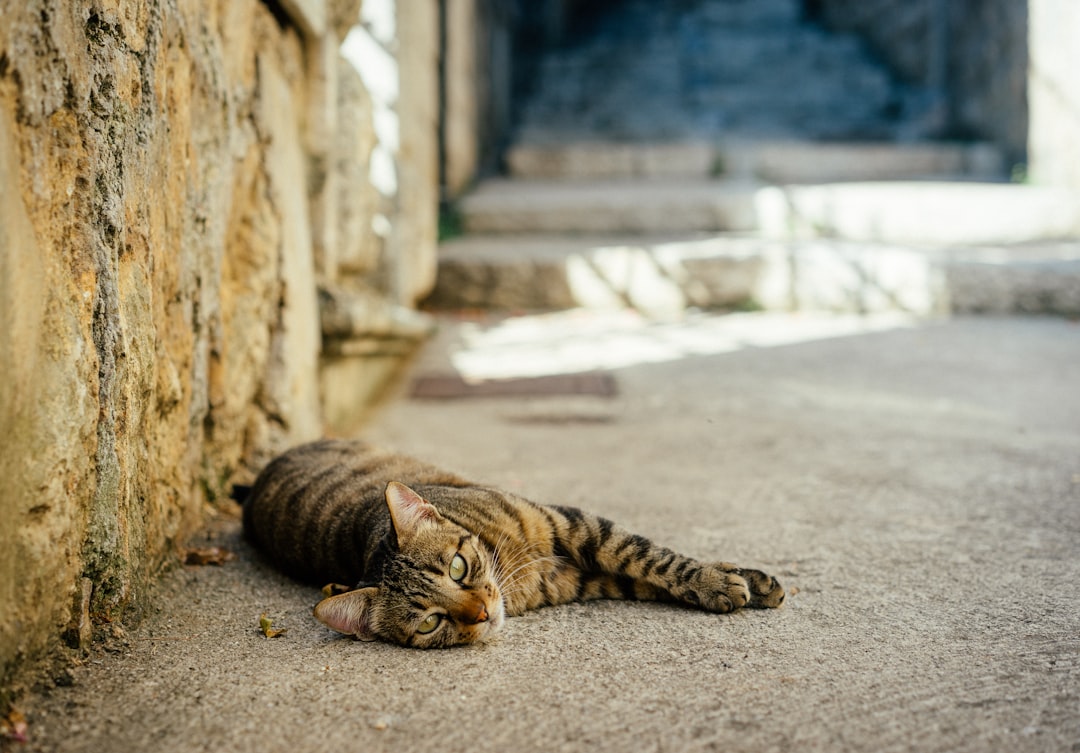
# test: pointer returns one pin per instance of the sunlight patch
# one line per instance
(582, 340)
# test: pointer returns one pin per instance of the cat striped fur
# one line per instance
(434, 560)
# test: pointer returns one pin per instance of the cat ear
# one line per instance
(349, 613)
(408, 510)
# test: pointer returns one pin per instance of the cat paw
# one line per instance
(719, 591)
(765, 590)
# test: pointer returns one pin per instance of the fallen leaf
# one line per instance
(211, 555)
(266, 625)
(14, 727)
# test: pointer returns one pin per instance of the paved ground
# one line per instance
(917, 489)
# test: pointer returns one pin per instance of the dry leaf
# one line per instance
(211, 555)
(266, 625)
(14, 727)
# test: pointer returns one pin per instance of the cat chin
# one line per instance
(492, 634)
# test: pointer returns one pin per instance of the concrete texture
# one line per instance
(917, 489)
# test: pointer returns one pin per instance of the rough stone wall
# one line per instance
(176, 180)
(156, 324)
(973, 50)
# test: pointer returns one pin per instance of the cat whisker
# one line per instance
(496, 552)
(536, 561)
(507, 580)
(506, 571)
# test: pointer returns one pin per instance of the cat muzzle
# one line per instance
(472, 613)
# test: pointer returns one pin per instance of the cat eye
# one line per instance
(457, 568)
(429, 624)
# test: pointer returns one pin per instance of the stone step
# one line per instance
(655, 205)
(771, 161)
(921, 213)
(604, 271)
(664, 276)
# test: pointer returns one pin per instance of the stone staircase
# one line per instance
(725, 154)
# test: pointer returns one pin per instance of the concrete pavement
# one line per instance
(915, 484)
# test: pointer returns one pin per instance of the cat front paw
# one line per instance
(720, 591)
(765, 591)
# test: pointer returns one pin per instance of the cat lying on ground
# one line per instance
(438, 561)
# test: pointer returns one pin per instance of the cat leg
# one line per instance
(597, 546)
(765, 591)
(604, 586)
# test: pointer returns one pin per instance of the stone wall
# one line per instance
(972, 52)
(1054, 93)
(189, 234)
(477, 81)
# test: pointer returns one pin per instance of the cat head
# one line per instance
(437, 587)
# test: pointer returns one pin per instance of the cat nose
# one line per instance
(471, 611)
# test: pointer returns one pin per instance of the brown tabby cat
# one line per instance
(439, 561)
